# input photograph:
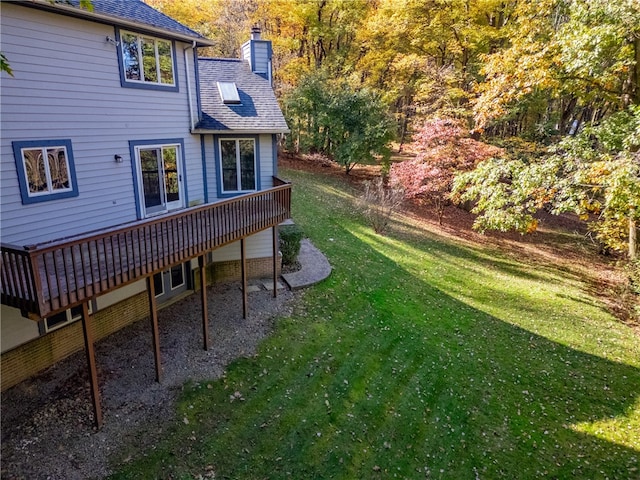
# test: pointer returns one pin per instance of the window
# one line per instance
(158, 171)
(176, 280)
(229, 93)
(64, 318)
(158, 284)
(177, 277)
(45, 170)
(238, 165)
(147, 62)
(170, 283)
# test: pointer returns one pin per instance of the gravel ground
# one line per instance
(47, 421)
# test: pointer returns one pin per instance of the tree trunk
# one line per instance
(633, 239)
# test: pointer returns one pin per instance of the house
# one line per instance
(131, 171)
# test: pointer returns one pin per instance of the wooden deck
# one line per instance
(44, 279)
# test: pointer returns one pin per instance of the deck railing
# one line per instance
(44, 279)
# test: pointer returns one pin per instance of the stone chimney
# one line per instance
(258, 53)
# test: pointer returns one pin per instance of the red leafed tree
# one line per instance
(444, 148)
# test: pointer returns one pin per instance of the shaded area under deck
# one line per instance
(45, 279)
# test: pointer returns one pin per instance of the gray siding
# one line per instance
(260, 63)
(246, 52)
(266, 161)
(66, 85)
(259, 245)
(261, 54)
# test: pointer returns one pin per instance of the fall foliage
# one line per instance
(444, 149)
(550, 72)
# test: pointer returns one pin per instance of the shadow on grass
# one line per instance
(380, 373)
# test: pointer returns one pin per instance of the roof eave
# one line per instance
(76, 12)
(243, 131)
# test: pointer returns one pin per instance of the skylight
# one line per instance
(228, 92)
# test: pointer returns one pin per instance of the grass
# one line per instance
(419, 357)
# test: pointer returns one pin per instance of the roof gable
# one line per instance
(258, 110)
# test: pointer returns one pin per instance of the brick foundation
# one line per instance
(30, 358)
(231, 270)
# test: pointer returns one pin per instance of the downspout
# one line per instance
(186, 71)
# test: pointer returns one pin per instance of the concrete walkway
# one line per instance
(314, 267)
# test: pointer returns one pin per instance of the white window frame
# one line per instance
(184, 277)
(161, 276)
(166, 205)
(47, 170)
(70, 319)
(239, 166)
(155, 40)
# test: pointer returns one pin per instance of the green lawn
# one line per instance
(420, 357)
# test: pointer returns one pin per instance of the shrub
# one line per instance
(633, 272)
(290, 238)
(378, 203)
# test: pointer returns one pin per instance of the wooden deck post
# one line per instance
(203, 296)
(275, 260)
(243, 269)
(91, 363)
(153, 310)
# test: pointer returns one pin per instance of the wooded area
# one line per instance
(552, 84)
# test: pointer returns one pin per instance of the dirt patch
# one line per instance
(47, 421)
(322, 165)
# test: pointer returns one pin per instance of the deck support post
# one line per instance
(243, 271)
(203, 296)
(275, 260)
(91, 363)
(153, 311)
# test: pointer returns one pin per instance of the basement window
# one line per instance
(64, 318)
(229, 93)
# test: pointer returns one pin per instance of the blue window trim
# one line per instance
(146, 85)
(197, 76)
(218, 162)
(134, 168)
(22, 176)
(274, 147)
(204, 169)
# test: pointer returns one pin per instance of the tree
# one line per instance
(595, 174)
(360, 129)
(568, 63)
(423, 55)
(227, 23)
(571, 68)
(349, 125)
(444, 149)
(311, 35)
(4, 64)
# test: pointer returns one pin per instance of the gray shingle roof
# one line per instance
(129, 11)
(258, 111)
